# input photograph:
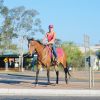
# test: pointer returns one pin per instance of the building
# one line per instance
(92, 48)
(12, 61)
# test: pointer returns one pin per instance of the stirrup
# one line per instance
(56, 60)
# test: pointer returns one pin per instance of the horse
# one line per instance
(44, 59)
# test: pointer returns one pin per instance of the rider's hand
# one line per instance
(44, 43)
(48, 43)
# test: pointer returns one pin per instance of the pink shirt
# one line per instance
(50, 37)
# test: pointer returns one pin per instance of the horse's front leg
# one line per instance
(57, 74)
(48, 75)
(37, 73)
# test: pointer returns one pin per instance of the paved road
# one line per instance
(47, 98)
(15, 77)
(27, 80)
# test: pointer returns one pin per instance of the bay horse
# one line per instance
(44, 59)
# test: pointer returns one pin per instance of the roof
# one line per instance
(14, 55)
(9, 56)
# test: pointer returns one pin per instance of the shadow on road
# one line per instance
(44, 84)
(21, 75)
(10, 82)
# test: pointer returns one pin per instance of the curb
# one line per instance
(49, 92)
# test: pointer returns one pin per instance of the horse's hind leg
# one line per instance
(66, 70)
(57, 74)
(64, 64)
(57, 78)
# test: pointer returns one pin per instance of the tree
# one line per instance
(74, 55)
(6, 31)
(19, 23)
(25, 22)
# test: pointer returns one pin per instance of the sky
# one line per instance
(71, 18)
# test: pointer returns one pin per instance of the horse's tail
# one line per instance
(68, 69)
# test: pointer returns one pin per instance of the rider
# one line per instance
(51, 36)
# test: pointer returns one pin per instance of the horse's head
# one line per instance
(34, 46)
(31, 46)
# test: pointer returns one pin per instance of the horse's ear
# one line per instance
(32, 39)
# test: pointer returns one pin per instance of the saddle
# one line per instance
(48, 49)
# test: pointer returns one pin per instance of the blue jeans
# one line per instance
(54, 50)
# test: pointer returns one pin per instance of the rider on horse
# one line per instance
(51, 36)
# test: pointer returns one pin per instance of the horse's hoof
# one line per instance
(66, 82)
(56, 82)
(49, 83)
(36, 85)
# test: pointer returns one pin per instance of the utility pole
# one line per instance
(85, 43)
(22, 59)
(92, 64)
(22, 69)
(21, 54)
(87, 46)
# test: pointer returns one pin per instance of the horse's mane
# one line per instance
(39, 42)
(32, 39)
